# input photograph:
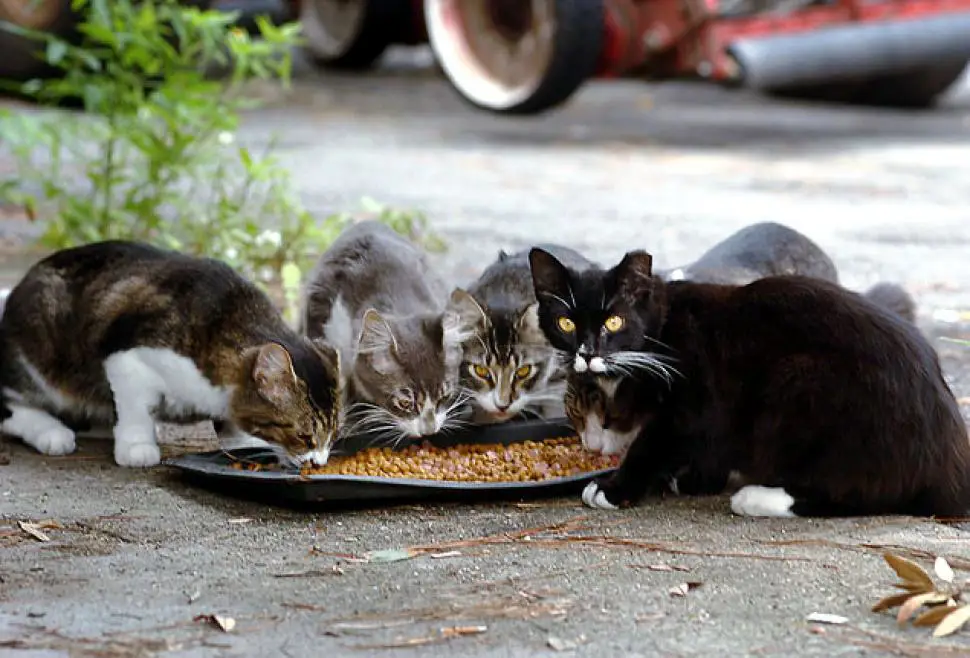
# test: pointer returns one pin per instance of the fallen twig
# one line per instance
(955, 561)
(332, 571)
(443, 635)
(885, 643)
(534, 605)
(556, 536)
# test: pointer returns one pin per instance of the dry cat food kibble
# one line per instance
(529, 461)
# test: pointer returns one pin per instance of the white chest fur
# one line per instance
(161, 376)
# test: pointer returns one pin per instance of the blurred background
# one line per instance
(476, 125)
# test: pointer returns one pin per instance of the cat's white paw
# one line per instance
(593, 497)
(756, 500)
(54, 441)
(137, 454)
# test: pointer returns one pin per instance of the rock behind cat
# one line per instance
(126, 334)
(509, 367)
(375, 296)
(827, 403)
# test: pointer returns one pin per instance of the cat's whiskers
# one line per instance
(545, 293)
(628, 363)
(365, 416)
(658, 343)
(449, 418)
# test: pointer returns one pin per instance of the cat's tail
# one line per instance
(893, 297)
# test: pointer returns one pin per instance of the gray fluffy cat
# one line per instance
(374, 296)
(771, 249)
(756, 251)
(509, 367)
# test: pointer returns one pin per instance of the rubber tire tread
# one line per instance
(383, 20)
(577, 45)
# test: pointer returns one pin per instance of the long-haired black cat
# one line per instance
(825, 403)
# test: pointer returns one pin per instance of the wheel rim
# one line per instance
(495, 52)
(31, 14)
(331, 26)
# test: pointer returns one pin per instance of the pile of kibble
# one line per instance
(529, 461)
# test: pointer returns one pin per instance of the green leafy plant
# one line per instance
(154, 156)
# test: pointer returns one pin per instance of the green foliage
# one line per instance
(154, 156)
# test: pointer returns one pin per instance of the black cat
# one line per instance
(828, 404)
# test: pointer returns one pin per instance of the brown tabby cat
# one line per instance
(126, 334)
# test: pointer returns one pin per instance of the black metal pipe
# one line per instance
(851, 52)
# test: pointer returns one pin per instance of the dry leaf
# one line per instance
(912, 588)
(953, 621)
(943, 570)
(456, 631)
(825, 618)
(909, 608)
(909, 571)
(660, 567)
(892, 601)
(559, 644)
(33, 529)
(390, 555)
(442, 635)
(226, 624)
(932, 616)
(683, 588)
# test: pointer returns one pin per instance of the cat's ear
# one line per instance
(327, 353)
(375, 334)
(462, 316)
(502, 255)
(273, 373)
(634, 273)
(528, 325)
(549, 276)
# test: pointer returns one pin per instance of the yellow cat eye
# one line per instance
(613, 323)
(566, 324)
(523, 371)
(481, 371)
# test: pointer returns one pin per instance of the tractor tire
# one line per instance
(23, 58)
(351, 35)
(916, 90)
(514, 65)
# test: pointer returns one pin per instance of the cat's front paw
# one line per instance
(56, 441)
(596, 496)
(138, 455)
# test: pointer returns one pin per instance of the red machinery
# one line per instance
(527, 56)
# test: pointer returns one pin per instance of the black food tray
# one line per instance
(213, 470)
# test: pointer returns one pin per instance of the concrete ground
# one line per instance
(134, 557)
